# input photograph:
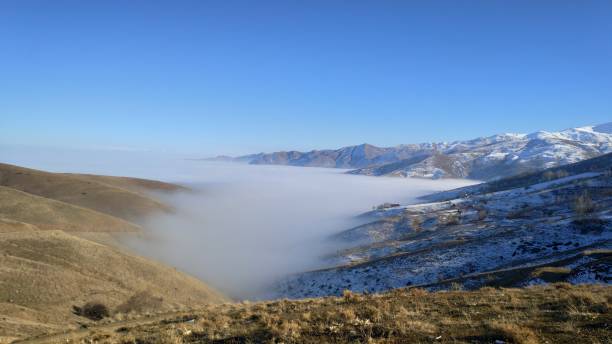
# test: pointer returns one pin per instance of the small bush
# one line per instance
(349, 296)
(584, 205)
(518, 214)
(550, 175)
(456, 286)
(590, 225)
(92, 310)
(416, 223)
(140, 302)
(449, 219)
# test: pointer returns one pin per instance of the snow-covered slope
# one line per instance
(504, 155)
(484, 158)
(547, 225)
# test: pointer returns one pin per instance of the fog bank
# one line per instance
(244, 226)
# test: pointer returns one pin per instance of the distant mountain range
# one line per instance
(484, 158)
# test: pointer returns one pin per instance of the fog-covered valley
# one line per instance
(243, 226)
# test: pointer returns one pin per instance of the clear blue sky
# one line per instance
(246, 76)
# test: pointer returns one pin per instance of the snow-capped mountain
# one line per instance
(503, 155)
(484, 158)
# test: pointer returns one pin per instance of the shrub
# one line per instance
(590, 225)
(416, 223)
(456, 286)
(583, 205)
(92, 310)
(518, 214)
(140, 302)
(550, 175)
(349, 296)
(449, 219)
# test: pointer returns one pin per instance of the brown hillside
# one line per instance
(558, 313)
(43, 274)
(19, 210)
(102, 194)
(132, 184)
(8, 225)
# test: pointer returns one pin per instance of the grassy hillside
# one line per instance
(43, 274)
(110, 195)
(558, 313)
(133, 184)
(8, 225)
(59, 249)
(44, 214)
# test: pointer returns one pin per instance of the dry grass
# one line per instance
(558, 313)
(109, 195)
(551, 273)
(144, 186)
(141, 302)
(43, 274)
(8, 225)
(20, 209)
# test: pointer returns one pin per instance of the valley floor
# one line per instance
(557, 313)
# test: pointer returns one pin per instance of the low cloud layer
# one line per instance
(244, 226)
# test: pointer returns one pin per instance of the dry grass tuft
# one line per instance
(512, 333)
(553, 314)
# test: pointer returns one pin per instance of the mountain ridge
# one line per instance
(483, 158)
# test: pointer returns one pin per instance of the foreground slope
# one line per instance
(47, 266)
(554, 225)
(552, 314)
(110, 195)
(44, 274)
